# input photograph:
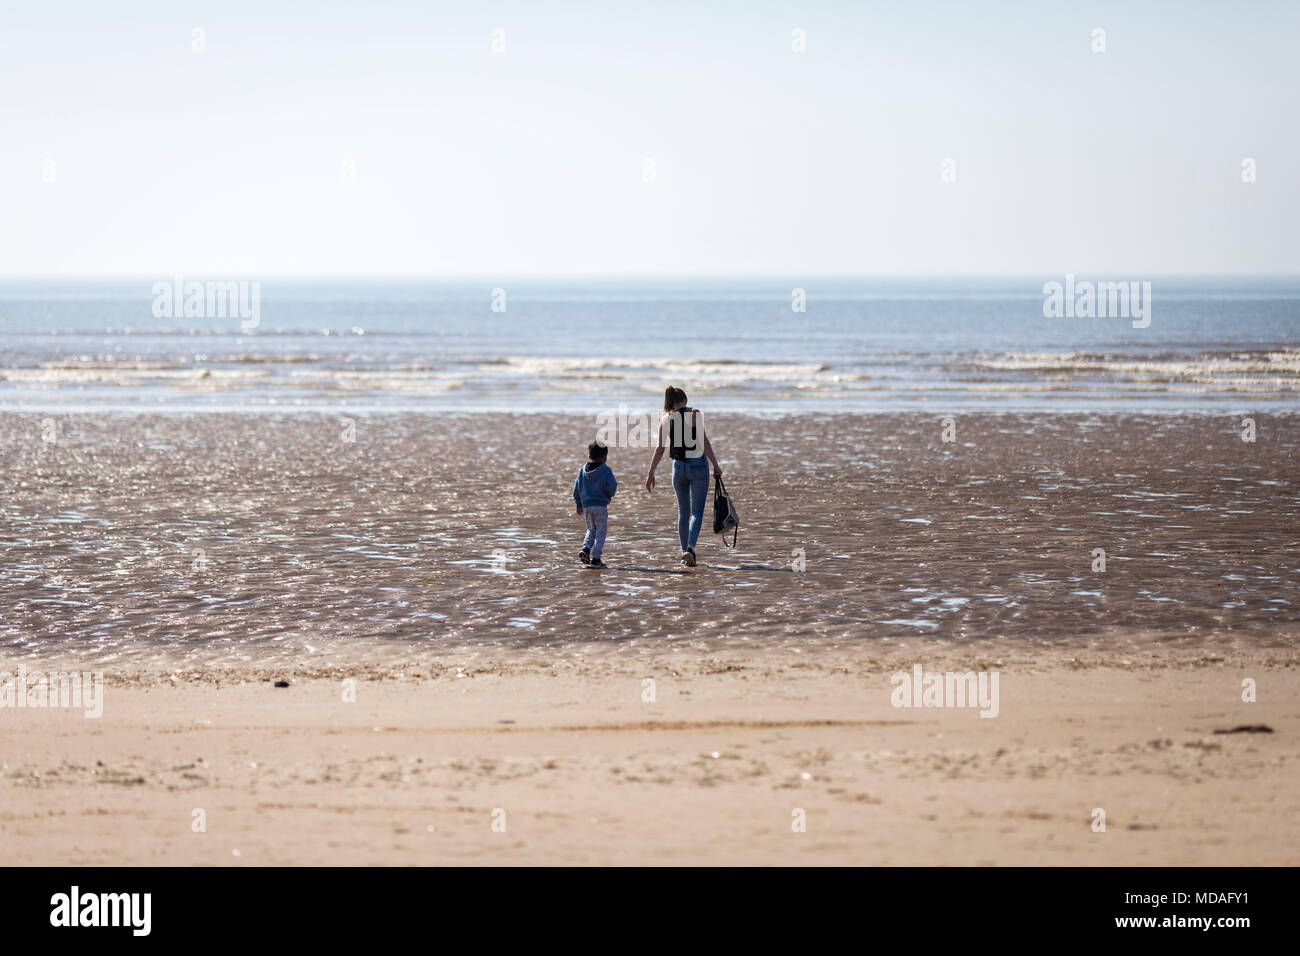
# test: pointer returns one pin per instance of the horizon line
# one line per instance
(630, 276)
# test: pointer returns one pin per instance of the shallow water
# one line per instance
(138, 538)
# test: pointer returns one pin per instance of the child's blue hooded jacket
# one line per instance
(594, 486)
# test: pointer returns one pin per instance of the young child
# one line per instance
(592, 489)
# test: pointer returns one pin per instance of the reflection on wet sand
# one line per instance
(228, 538)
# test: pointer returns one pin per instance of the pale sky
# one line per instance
(533, 160)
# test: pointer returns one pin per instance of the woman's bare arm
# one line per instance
(659, 454)
(708, 446)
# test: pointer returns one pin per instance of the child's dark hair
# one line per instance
(673, 396)
(598, 451)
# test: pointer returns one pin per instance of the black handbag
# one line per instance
(724, 513)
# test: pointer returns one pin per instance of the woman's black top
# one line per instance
(683, 442)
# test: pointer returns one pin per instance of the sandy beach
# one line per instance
(450, 665)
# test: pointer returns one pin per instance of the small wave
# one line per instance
(1279, 361)
(270, 358)
(690, 369)
(126, 375)
(88, 363)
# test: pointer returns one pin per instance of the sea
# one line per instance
(747, 345)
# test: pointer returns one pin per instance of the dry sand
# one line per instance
(517, 685)
(711, 772)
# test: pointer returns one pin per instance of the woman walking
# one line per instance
(681, 430)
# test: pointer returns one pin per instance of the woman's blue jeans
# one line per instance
(691, 485)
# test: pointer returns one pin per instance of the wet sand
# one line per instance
(196, 559)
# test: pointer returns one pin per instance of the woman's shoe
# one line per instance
(688, 558)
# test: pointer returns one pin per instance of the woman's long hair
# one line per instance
(673, 396)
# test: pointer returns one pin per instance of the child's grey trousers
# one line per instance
(597, 522)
